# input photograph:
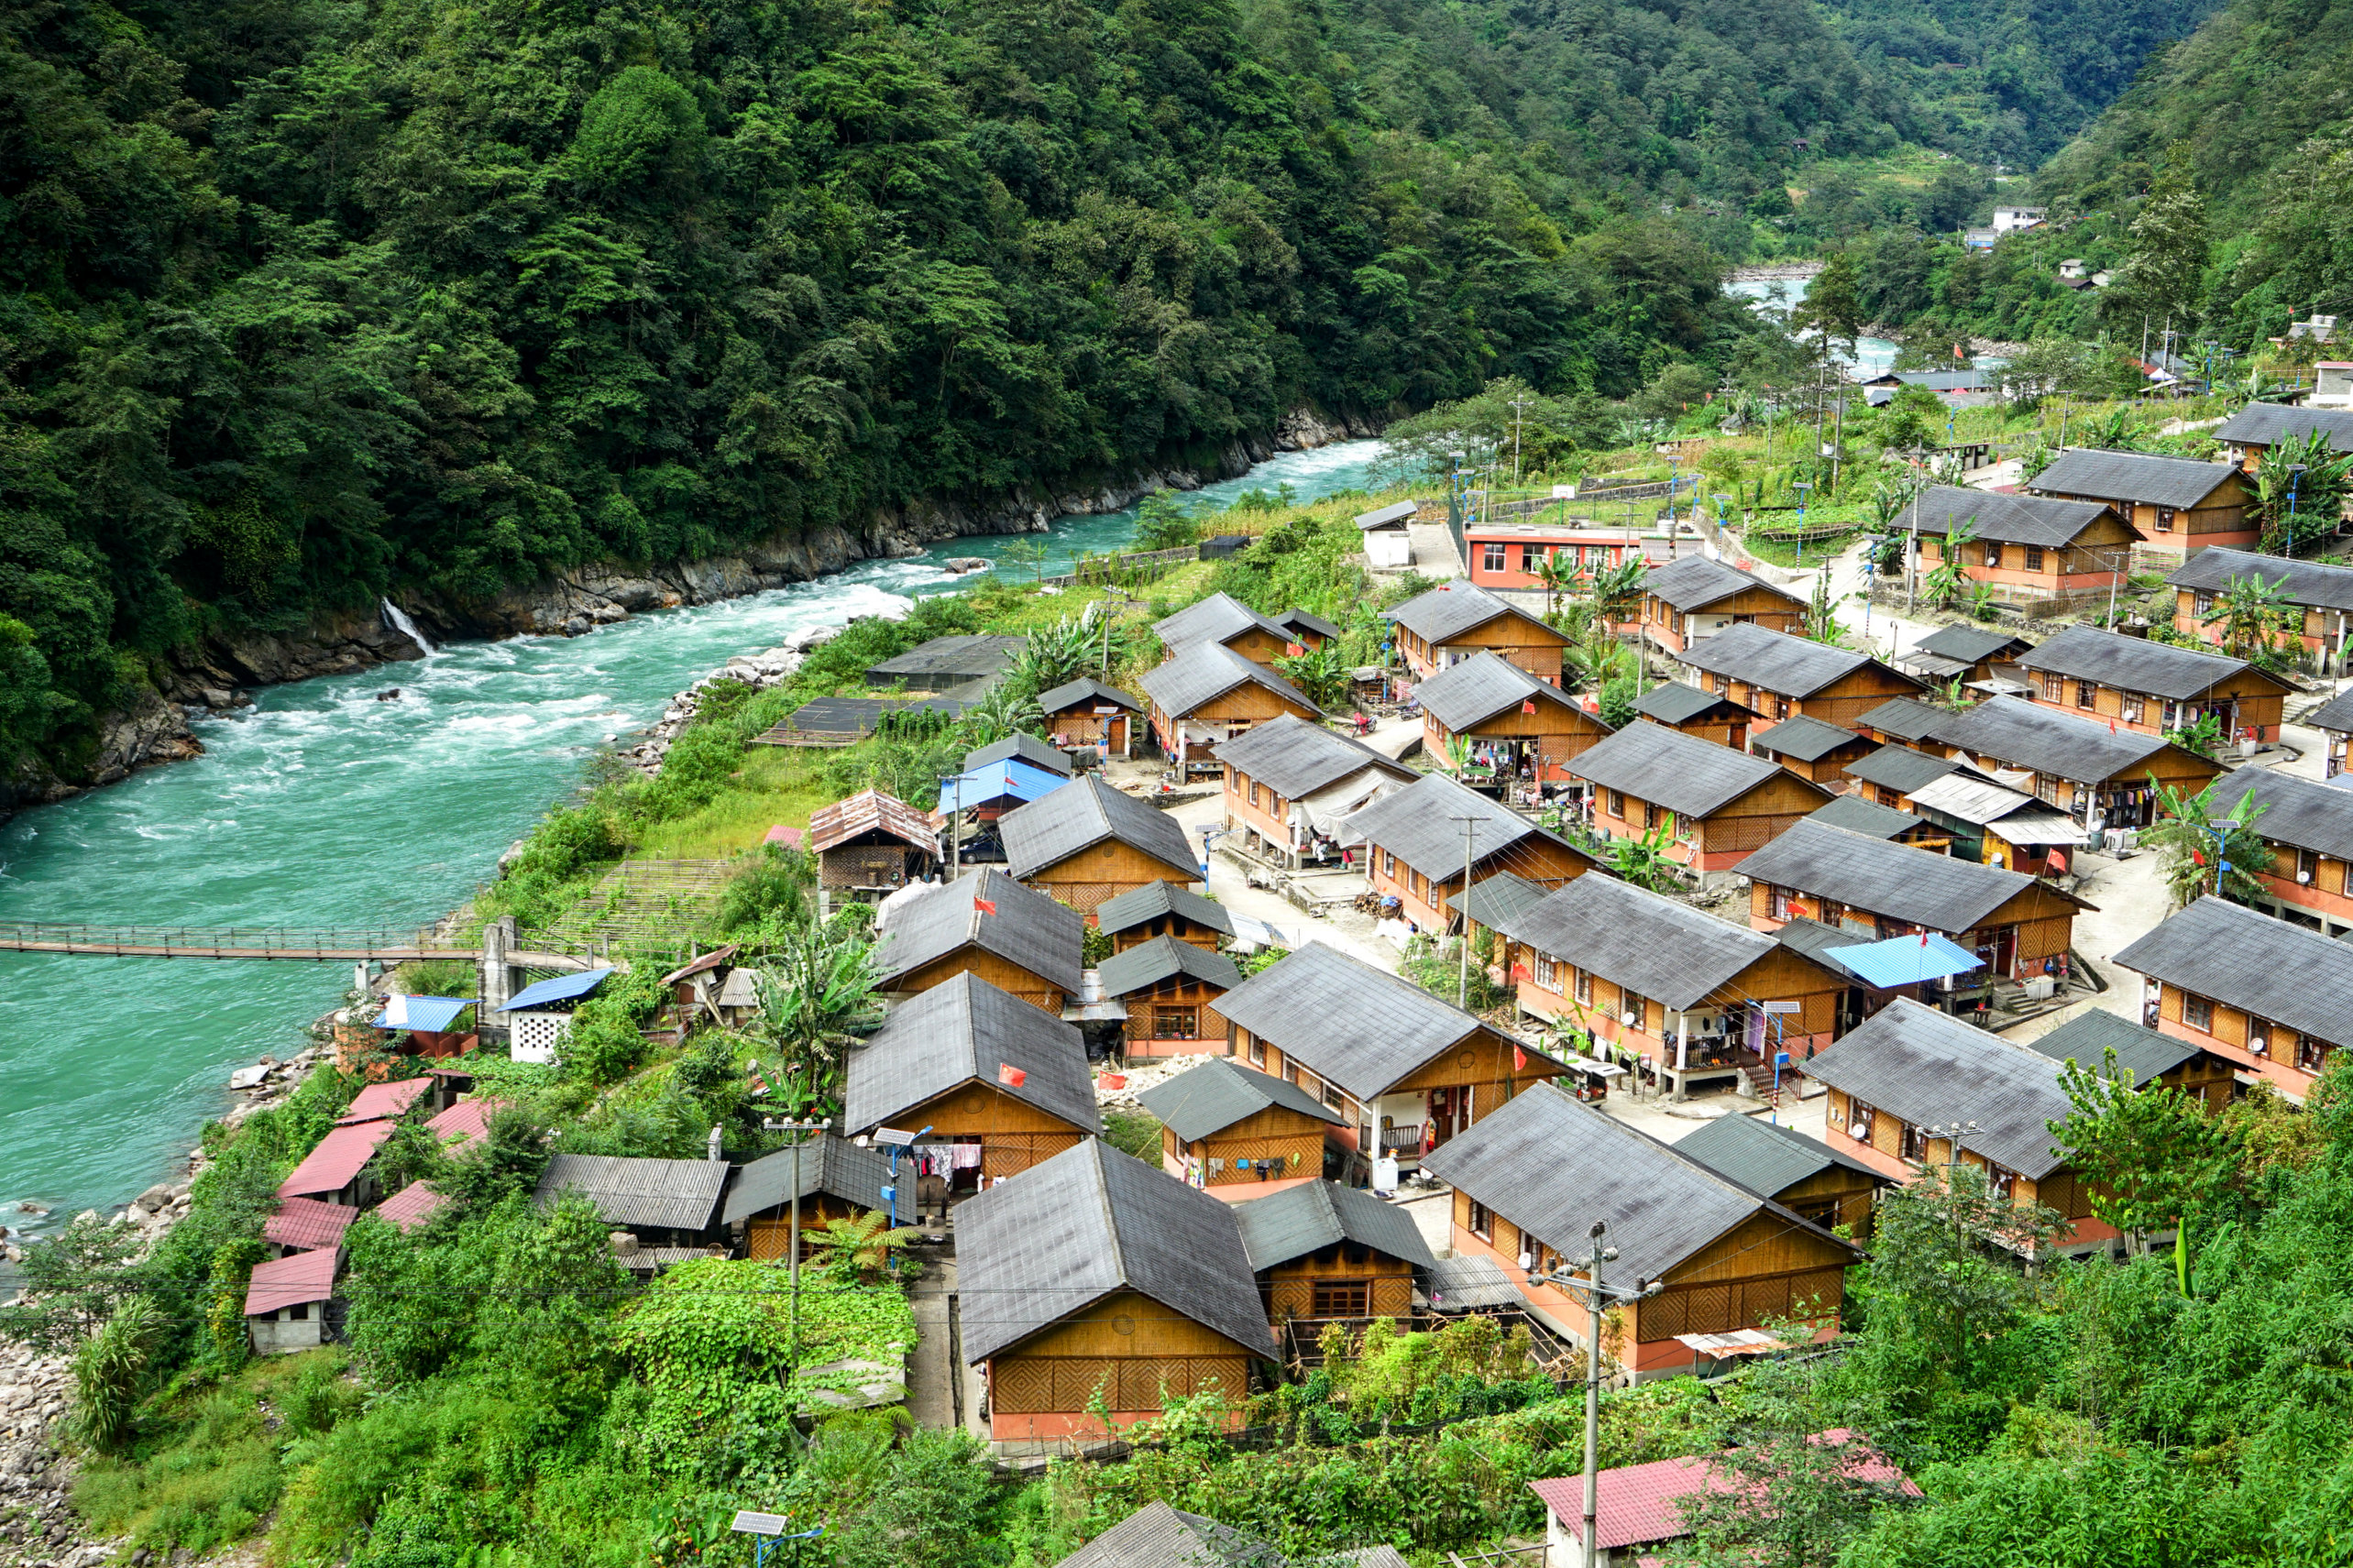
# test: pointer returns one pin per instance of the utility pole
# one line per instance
(1952, 1132)
(1518, 404)
(1595, 1296)
(799, 1130)
(1469, 830)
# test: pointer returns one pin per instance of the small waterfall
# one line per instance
(401, 621)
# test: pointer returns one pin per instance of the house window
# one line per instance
(2197, 1012)
(1993, 553)
(1999, 1182)
(2307, 866)
(1548, 972)
(2087, 693)
(1529, 555)
(1290, 1073)
(1176, 1022)
(1421, 887)
(1912, 1142)
(1633, 1011)
(300, 1313)
(1585, 986)
(2045, 789)
(1254, 795)
(2164, 519)
(1341, 1298)
(1332, 1096)
(2312, 1056)
(1388, 865)
(2258, 1037)
(1888, 797)
(1258, 1051)
(2034, 557)
(1650, 814)
(1482, 1223)
(1493, 557)
(1777, 903)
(1618, 804)
(1780, 708)
(1233, 782)
(2202, 606)
(2054, 684)
(2136, 709)
(1858, 1121)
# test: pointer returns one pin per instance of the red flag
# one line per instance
(1956, 351)
(986, 905)
(1519, 971)
(2112, 725)
(1529, 706)
(1011, 1076)
(1519, 1059)
(1292, 650)
(1924, 936)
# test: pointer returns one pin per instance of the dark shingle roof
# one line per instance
(1902, 716)
(1659, 947)
(1296, 756)
(1930, 1068)
(829, 1163)
(1807, 738)
(1090, 1222)
(958, 1031)
(1479, 688)
(1899, 768)
(1551, 1166)
(1029, 928)
(1676, 703)
(1299, 1220)
(2142, 1055)
(2033, 735)
(964, 657)
(2240, 959)
(1296, 619)
(1416, 825)
(1763, 1158)
(1446, 613)
(1147, 963)
(1208, 1099)
(1084, 689)
(1967, 646)
(1894, 880)
(2134, 663)
(1079, 816)
(1776, 662)
(2315, 582)
(1493, 900)
(1695, 581)
(1026, 748)
(2300, 813)
(2336, 713)
(1857, 814)
(2131, 476)
(2267, 424)
(1360, 1027)
(1690, 776)
(1155, 899)
(1202, 672)
(678, 1194)
(1214, 620)
(1157, 1536)
(2009, 520)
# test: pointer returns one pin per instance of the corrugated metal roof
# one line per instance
(1418, 825)
(340, 1156)
(1776, 661)
(2300, 813)
(871, 811)
(1090, 812)
(2142, 1055)
(1010, 779)
(1639, 1504)
(1444, 613)
(1214, 620)
(1895, 880)
(960, 1032)
(306, 1223)
(677, 1194)
(1155, 899)
(1090, 1222)
(2007, 519)
(1907, 961)
(2135, 663)
(1481, 686)
(1199, 673)
(1901, 768)
(1296, 1221)
(1765, 1158)
(291, 1280)
(2276, 970)
(1690, 776)
(2046, 740)
(1807, 738)
(830, 1163)
(1857, 814)
(1471, 1280)
(412, 1207)
(965, 656)
(1695, 581)
(466, 1121)
(1157, 1536)
(1360, 1027)
(1493, 900)
(392, 1100)
(2312, 583)
(1676, 703)
(2131, 476)
(1657, 946)
(1395, 515)
(2267, 424)
(2018, 818)
(559, 989)
(1029, 928)
(1296, 756)
(1930, 1068)
(1149, 963)
(1017, 746)
(1087, 690)
(1208, 1099)
(431, 1014)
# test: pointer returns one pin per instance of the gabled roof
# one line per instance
(1778, 663)
(1203, 1101)
(1655, 945)
(1905, 718)
(430, 1014)
(1676, 703)
(1457, 609)
(1969, 644)
(830, 1163)
(1214, 620)
(2313, 583)
(2012, 814)
(1021, 746)
(2336, 713)
(1551, 1166)
(342, 1154)
(1201, 672)
(1807, 738)
(676, 1194)
(2035, 735)
(2136, 664)
(292, 1280)
(1640, 1505)
(1419, 825)
(307, 1222)
(1149, 963)
(1903, 883)
(1765, 1158)
(2132, 476)
(1300, 1220)
(2142, 1055)
(387, 1101)
(2278, 972)
(1090, 1222)
(463, 1123)
(1857, 814)
(1295, 756)
(1028, 929)
(1084, 689)
(2267, 424)
(1690, 776)
(2007, 519)
(967, 656)
(1155, 899)
(1011, 779)
(412, 1207)
(1295, 619)
(1930, 1068)
(1479, 688)
(962, 1030)
(1360, 1027)
(1157, 1536)
(1493, 900)
(1090, 812)
(1694, 582)
(869, 811)
(1901, 768)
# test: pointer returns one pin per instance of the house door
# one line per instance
(1999, 948)
(1115, 731)
(1449, 1113)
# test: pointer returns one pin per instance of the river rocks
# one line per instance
(960, 564)
(1307, 426)
(34, 1391)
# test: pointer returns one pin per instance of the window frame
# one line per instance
(2034, 557)
(1188, 1021)
(2134, 709)
(2087, 693)
(1860, 1120)
(1339, 1298)
(1482, 1219)
(1584, 985)
(1993, 555)
(2197, 1012)
(1491, 555)
(1545, 970)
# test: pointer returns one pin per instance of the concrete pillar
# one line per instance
(1682, 1053)
(498, 976)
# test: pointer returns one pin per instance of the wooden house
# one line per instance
(1225, 621)
(944, 664)
(2172, 503)
(1532, 1180)
(1323, 1252)
(1857, 814)
(1708, 716)
(1021, 746)
(1163, 909)
(1405, 1071)
(1087, 843)
(870, 845)
(1970, 655)
(1309, 631)
(1720, 804)
(1000, 1086)
(1996, 824)
(836, 1180)
(1168, 988)
(669, 1206)
(1806, 1176)
(1095, 1283)
(2255, 429)
(1513, 729)
(1087, 713)
(291, 1304)
(1683, 996)
(2318, 595)
(1457, 620)
(1814, 750)
(1911, 1069)
(1777, 676)
(1486, 909)
(1018, 938)
(2334, 718)
(2309, 829)
(1290, 783)
(1206, 694)
(2153, 688)
(2272, 998)
(2017, 925)
(2029, 549)
(2143, 1057)
(1688, 601)
(1421, 842)
(2076, 764)
(1902, 721)
(1224, 1125)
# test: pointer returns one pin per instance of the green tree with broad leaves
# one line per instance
(2190, 835)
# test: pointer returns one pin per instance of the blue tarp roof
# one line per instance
(1906, 961)
(1009, 779)
(563, 987)
(428, 1013)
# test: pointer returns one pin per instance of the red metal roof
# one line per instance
(381, 1101)
(306, 1223)
(341, 1155)
(412, 1206)
(463, 1121)
(789, 838)
(1638, 1504)
(291, 1280)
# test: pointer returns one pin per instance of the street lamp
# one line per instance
(800, 1130)
(765, 1528)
